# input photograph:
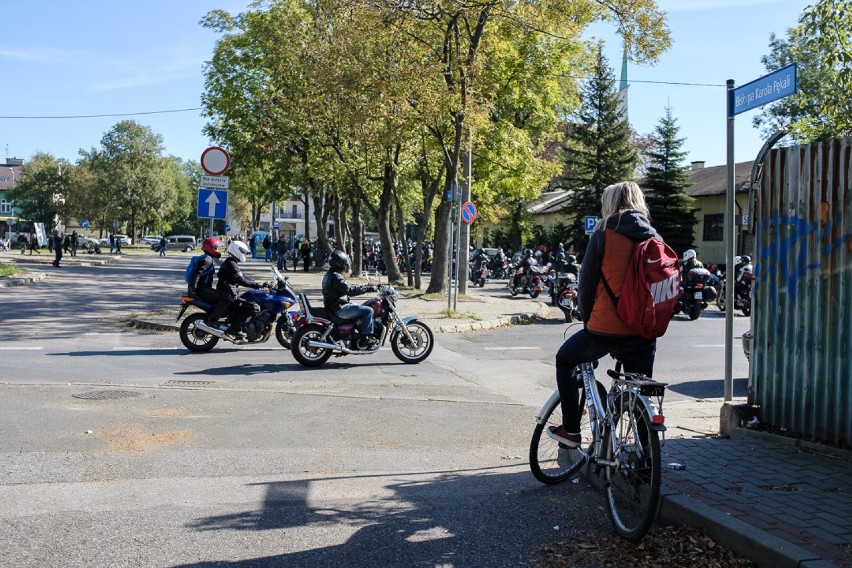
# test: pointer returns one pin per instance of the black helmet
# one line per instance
(339, 261)
(746, 259)
(572, 259)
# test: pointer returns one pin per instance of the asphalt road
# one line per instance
(240, 456)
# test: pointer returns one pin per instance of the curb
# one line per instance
(22, 280)
(753, 543)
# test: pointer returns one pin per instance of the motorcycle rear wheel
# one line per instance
(695, 312)
(416, 352)
(195, 339)
(303, 353)
(534, 294)
(720, 300)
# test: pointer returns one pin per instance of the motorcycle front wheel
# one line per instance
(284, 332)
(194, 338)
(304, 353)
(418, 348)
(720, 300)
(534, 294)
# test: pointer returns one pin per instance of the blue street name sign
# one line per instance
(212, 203)
(768, 88)
(589, 222)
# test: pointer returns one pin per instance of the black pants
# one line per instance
(239, 312)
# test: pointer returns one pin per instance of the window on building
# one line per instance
(714, 227)
(295, 212)
(5, 206)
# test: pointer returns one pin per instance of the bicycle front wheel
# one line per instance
(633, 485)
(550, 461)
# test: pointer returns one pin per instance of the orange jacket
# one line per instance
(614, 263)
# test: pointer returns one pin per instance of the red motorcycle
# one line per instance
(321, 334)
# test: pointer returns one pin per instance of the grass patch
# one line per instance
(8, 269)
(450, 313)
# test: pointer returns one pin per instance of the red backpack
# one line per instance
(651, 289)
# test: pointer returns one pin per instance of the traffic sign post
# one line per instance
(212, 203)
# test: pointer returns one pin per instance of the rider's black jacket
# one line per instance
(201, 280)
(230, 277)
(336, 292)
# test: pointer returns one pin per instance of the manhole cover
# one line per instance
(189, 383)
(106, 394)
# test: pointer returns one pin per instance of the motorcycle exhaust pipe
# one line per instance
(324, 345)
(212, 330)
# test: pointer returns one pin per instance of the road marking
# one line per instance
(710, 345)
(21, 348)
(510, 348)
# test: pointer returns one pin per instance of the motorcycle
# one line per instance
(742, 290)
(498, 267)
(197, 336)
(479, 272)
(698, 290)
(565, 295)
(532, 283)
(321, 333)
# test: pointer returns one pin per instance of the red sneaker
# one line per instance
(559, 434)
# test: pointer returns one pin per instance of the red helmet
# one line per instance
(211, 247)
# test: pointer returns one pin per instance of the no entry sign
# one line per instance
(468, 212)
(215, 160)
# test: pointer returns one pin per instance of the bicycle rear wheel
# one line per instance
(633, 487)
(552, 462)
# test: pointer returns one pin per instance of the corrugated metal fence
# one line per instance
(801, 369)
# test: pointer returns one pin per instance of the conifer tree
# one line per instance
(598, 151)
(672, 211)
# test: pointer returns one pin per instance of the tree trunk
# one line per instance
(438, 279)
(358, 235)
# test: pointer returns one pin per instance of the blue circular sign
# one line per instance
(84, 223)
(227, 228)
(468, 212)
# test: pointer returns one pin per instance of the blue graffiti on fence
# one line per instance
(772, 259)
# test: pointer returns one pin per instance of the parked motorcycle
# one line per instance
(565, 295)
(198, 336)
(523, 283)
(323, 334)
(698, 290)
(744, 279)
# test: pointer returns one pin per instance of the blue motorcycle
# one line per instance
(197, 336)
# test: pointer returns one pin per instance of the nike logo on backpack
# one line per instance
(652, 261)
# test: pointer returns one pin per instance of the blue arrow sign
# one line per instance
(212, 203)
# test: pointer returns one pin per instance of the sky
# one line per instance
(135, 60)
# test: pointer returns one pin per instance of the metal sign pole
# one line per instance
(729, 249)
(450, 248)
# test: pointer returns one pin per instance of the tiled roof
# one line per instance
(714, 180)
(549, 202)
(7, 174)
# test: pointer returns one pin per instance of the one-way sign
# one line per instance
(212, 203)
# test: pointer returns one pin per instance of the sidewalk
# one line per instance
(778, 501)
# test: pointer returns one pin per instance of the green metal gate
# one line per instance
(801, 373)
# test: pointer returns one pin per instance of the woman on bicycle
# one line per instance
(625, 221)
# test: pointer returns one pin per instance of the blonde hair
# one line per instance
(620, 197)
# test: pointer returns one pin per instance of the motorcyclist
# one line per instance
(335, 297)
(525, 265)
(230, 278)
(201, 282)
(688, 262)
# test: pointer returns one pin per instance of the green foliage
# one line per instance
(40, 192)
(821, 44)
(672, 213)
(598, 150)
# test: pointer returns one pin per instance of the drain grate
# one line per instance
(106, 394)
(189, 383)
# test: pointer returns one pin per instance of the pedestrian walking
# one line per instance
(281, 247)
(306, 253)
(252, 243)
(267, 248)
(162, 246)
(57, 239)
(111, 243)
(75, 241)
(34, 243)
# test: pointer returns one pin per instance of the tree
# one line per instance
(821, 44)
(672, 213)
(598, 150)
(40, 192)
